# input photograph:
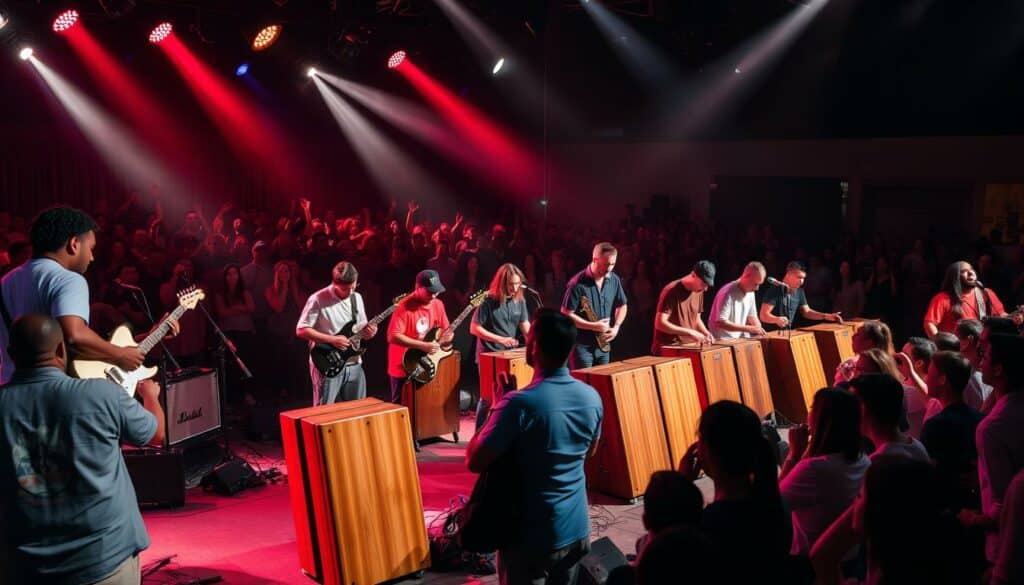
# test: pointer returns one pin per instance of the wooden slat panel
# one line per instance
(631, 448)
(680, 403)
(494, 363)
(835, 345)
(298, 479)
(435, 407)
(371, 498)
(752, 374)
(794, 371)
(713, 369)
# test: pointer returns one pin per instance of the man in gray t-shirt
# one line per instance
(70, 504)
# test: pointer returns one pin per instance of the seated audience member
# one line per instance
(915, 401)
(681, 554)
(969, 332)
(949, 435)
(670, 500)
(825, 467)
(881, 399)
(945, 341)
(871, 335)
(999, 437)
(1009, 566)
(69, 505)
(747, 518)
(910, 538)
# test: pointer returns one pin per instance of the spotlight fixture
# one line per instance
(242, 69)
(65, 20)
(311, 72)
(396, 59)
(25, 54)
(498, 66)
(267, 36)
(160, 32)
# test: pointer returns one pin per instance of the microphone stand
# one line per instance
(224, 347)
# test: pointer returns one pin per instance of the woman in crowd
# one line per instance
(235, 307)
(848, 296)
(285, 303)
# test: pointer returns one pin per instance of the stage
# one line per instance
(249, 538)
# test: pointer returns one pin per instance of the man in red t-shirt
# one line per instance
(958, 299)
(416, 314)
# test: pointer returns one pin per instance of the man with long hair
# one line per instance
(496, 322)
(962, 296)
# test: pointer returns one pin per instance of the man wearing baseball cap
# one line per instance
(416, 314)
(680, 304)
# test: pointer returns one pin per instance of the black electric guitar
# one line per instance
(330, 360)
(421, 366)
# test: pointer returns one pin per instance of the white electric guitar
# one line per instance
(122, 337)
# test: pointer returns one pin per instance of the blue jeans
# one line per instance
(585, 356)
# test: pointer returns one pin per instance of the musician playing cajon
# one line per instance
(416, 315)
(596, 302)
(326, 313)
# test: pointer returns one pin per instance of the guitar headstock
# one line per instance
(478, 298)
(190, 297)
(585, 304)
(397, 300)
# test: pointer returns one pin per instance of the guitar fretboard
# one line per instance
(163, 329)
(462, 316)
(375, 321)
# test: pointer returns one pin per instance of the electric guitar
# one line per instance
(122, 337)
(330, 360)
(590, 315)
(421, 366)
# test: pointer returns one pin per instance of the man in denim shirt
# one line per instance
(71, 516)
(607, 297)
(549, 428)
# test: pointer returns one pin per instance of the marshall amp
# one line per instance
(192, 407)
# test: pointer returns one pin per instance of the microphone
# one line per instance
(118, 282)
(772, 281)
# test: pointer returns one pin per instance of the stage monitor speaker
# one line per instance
(602, 559)
(158, 476)
(192, 407)
(231, 477)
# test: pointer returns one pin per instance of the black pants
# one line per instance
(517, 566)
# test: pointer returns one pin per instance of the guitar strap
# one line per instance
(354, 307)
(980, 298)
(3, 312)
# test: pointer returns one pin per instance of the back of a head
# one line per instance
(955, 367)
(731, 438)
(878, 334)
(882, 397)
(907, 532)
(1001, 325)
(969, 328)
(677, 555)
(554, 334)
(836, 420)
(883, 362)
(52, 228)
(1006, 351)
(921, 348)
(33, 337)
(945, 341)
(671, 499)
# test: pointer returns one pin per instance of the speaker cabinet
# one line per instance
(158, 476)
(192, 407)
(604, 557)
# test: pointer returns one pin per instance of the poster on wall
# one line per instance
(1004, 205)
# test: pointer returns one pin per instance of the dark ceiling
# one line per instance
(863, 68)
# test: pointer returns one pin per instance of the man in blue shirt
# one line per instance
(603, 289)
(51, 283)
(71, 516)
(785, 304)
(548, 428)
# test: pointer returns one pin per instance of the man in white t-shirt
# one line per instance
(734, 312)
(326, 313)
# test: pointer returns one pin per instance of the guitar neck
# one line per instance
(162, 330)
(462, 317)
(375, 321)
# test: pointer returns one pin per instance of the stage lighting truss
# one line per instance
(160, 32)
(65, 20)
(396, 59)
(266, 37)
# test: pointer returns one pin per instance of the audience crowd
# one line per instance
(907, 471)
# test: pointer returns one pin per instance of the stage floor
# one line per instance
(249, 538)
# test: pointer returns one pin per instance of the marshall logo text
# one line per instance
(184, 417)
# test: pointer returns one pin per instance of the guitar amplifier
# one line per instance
(192, 407)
